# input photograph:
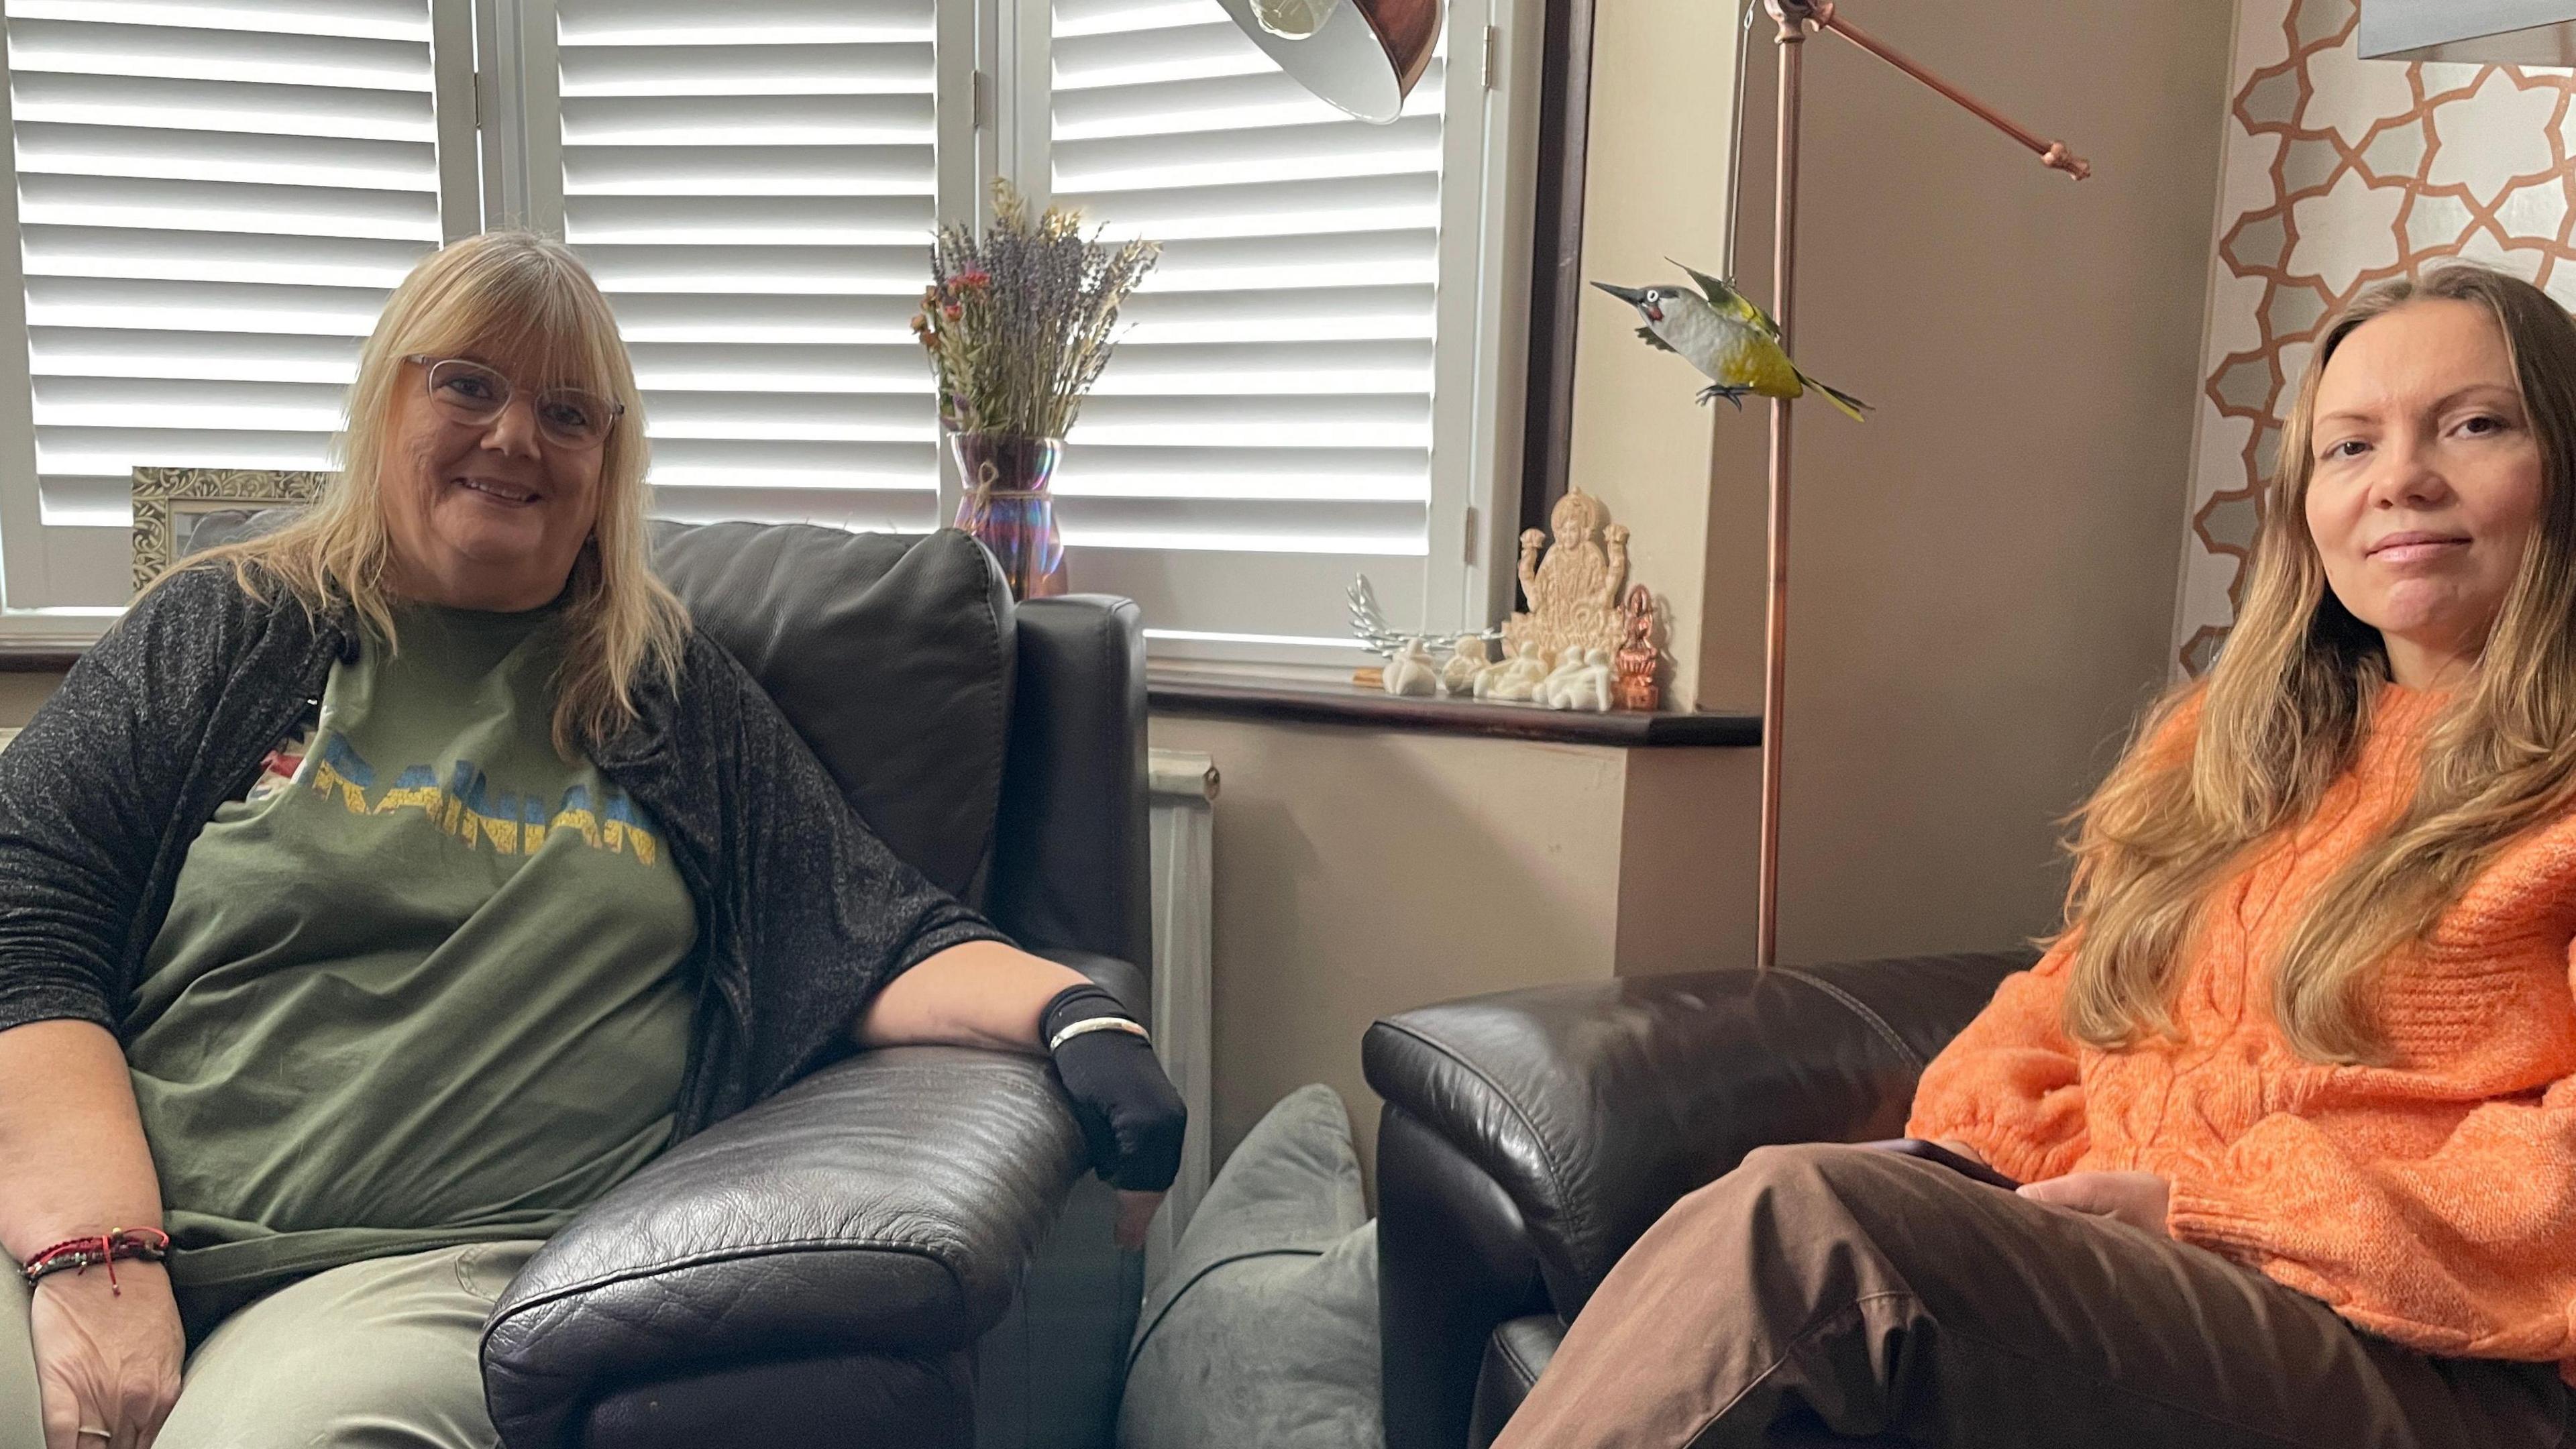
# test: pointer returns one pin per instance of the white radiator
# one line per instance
(1184, 800)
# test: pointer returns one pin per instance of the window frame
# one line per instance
(25, 550)
(500, 162)
(1478, 389)
(48, 633)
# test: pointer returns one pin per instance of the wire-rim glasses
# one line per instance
(471, 392)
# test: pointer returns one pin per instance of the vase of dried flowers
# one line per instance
(1008, 508)
(1017, 322)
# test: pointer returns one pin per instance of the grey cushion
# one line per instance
(891, 656)
(1263, 1332)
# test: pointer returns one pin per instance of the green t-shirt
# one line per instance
(421, 987)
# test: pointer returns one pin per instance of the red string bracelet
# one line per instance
(77, 1254)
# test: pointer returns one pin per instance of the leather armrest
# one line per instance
(1594, 1107)
(886, 1204)
(1516, 1354)
(1070, 858)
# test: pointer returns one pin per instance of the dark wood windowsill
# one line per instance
(1183, 692)
(36, 659)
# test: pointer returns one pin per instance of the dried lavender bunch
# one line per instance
(1017, 319)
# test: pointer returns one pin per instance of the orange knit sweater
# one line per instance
(2432, 1202)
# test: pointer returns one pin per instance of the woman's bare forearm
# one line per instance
(981, 994)
(72, 1155)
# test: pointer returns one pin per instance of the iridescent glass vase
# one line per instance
(1008, 509)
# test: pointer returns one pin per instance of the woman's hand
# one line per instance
(105, 1359)
(2139, 1199)
(73, 1162)
(1131, 1115)
(987, 994)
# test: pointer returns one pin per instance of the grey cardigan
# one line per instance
(802, 912)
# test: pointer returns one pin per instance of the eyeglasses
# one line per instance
(470, 392)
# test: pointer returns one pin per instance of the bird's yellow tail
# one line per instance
(1838, 398)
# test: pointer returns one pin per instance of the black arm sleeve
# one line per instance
(821, 893)
(88, 795)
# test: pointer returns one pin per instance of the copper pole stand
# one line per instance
(1793, 18)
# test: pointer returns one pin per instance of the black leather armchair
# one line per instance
(896, 1250)
(1530, 1137)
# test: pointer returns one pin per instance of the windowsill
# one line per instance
(1175, 691)
(36, 658)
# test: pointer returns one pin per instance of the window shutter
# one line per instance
(213, 202)
(1264, 430)
(753, 185)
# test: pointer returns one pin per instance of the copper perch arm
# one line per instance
(2051, 153)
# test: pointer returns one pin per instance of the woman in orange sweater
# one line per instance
(2293, 1097)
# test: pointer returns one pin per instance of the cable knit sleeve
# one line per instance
(2468, 1251)
(2009, 1085)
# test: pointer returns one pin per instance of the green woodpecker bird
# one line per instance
(1728, 337)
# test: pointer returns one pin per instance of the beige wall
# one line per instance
(20, 693)
(1982, 575)
(1687, 853)
(1361, 872)
(1657, 188)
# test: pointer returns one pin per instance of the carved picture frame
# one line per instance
(168, 501)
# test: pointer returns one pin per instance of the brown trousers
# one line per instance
(1832, 1295)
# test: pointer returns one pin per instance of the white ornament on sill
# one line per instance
(1515, 680)
(1411, 670)
(1581, 681)
(1468, 660)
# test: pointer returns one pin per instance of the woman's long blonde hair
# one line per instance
(515, 296)
(2284, 712)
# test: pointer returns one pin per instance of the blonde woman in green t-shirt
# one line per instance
(382, 1019)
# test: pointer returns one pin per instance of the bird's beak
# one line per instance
(1633, 296)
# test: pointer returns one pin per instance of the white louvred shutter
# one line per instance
(1264, 430)
(753, 185)
(213, 201)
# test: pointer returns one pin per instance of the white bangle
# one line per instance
(1098, 1023)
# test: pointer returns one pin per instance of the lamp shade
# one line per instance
(1362, 56)
(2500, 32)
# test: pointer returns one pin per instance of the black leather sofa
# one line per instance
(1530, 1137)
(895, 1251)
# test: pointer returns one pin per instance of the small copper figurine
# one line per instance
(1637, 659)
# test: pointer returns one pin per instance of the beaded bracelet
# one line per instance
(78, 1254)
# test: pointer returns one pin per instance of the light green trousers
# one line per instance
(373, 1355)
